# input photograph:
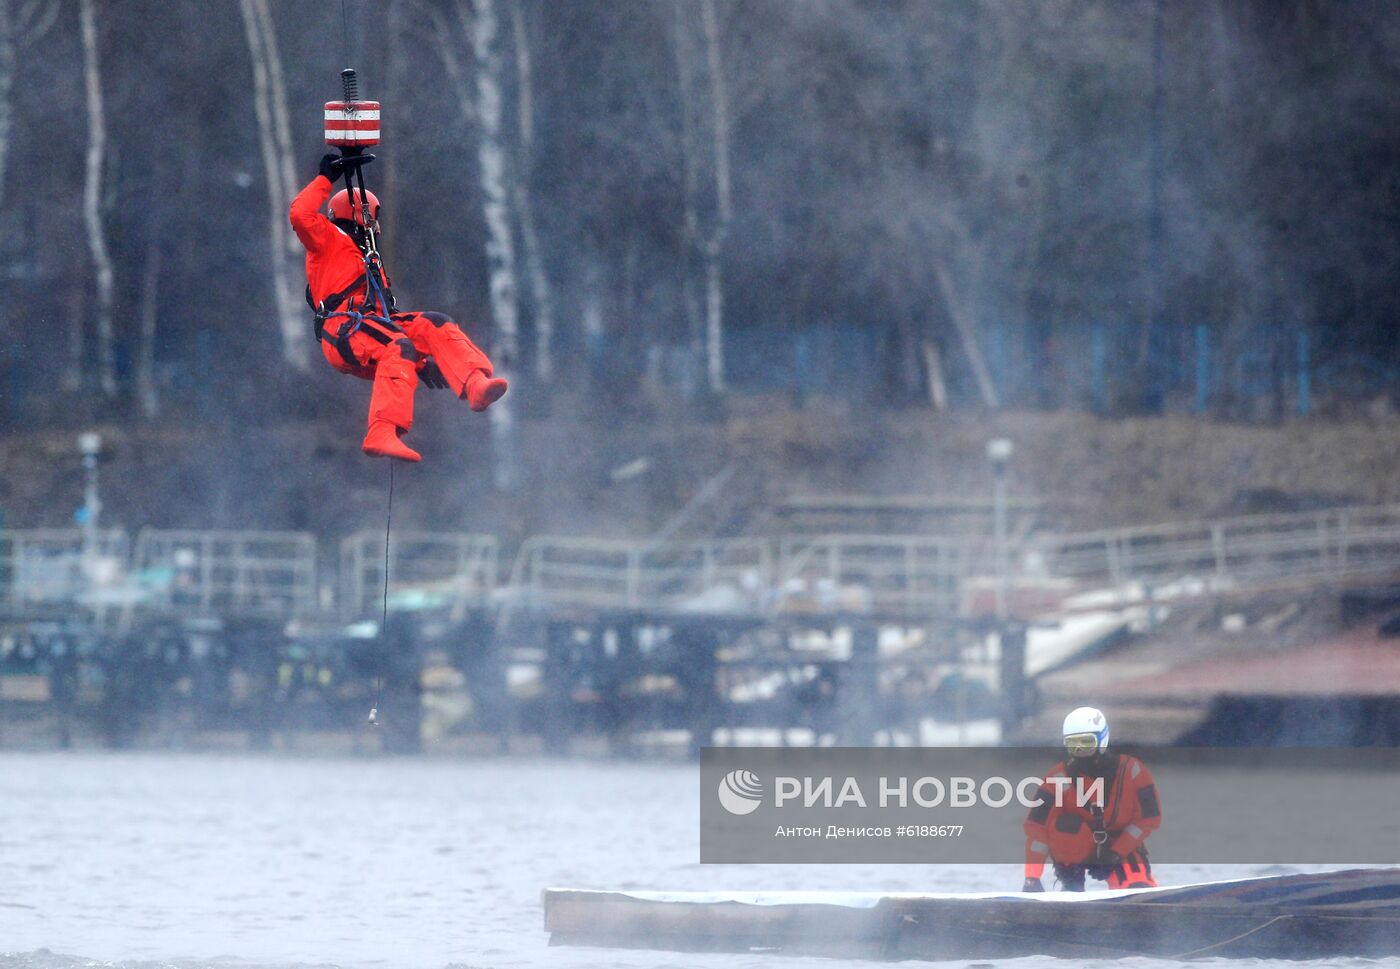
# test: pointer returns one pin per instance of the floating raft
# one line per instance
(1330, 914)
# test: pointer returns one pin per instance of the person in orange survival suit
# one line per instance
(1104, 838)
(355, 324)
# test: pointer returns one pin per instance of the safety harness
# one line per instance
(376, 309)
(1098, 825)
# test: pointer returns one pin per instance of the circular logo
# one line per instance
(740, 792)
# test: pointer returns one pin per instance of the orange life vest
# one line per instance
(1069, 829)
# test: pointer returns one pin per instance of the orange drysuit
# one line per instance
(389, 353)
(1070, 834)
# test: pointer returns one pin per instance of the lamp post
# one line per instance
(1011, 638)
(999, 453)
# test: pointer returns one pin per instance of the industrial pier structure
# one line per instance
(258, 638)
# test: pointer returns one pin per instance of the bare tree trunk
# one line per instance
(967, 330)
(480, 102)
(541, 291)
(281, 122)
(937, 387)
(146, 391)
(690, 179)
(500, 245)
(714, 317)
(7, 83)
(714, 244)
(705, 243)
(7, 80)
(627, 295)
(92, 199)
(591, 315)
(274, 136)
(20, 23)
(395, 90)
(71, 378)
(1156, 251)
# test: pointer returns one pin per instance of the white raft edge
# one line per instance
(871, 899)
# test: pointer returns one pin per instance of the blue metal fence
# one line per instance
(1197, 369)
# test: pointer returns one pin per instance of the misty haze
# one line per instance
(435, 433)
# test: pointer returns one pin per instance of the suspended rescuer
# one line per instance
(1104, 838)
(356, 325)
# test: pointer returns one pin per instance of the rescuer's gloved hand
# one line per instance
(1032, 885)
(431, 375)
(330, 166)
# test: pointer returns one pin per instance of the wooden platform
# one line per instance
(1352, 913)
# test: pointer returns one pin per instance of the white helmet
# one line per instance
(1089, 728)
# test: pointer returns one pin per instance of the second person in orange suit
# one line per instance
(356, 325)
(1104, 838)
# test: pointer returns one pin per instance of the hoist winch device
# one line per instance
(352, 125)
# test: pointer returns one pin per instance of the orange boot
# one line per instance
(483, 390)
(1134, 872)
(383, 441)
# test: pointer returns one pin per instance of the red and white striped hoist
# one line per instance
(352, 126)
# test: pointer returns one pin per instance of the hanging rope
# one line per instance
(384, 612)
(350, 147)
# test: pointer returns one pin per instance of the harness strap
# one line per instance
(383, 330)
(377, 296)
(1097, 822)
(355, 323)
(1115, 790)
(378, 282)
(333, 301)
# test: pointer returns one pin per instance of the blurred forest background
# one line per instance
(1123, 208)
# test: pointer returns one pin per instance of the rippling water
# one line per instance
(156, 859)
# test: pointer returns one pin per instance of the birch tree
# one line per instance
(967, 332)
(500, 247)
(714, 243)
(147, 394)
(275, 140)
(707, 240)
(70, 380)
(480, 101)
(481, 26)
(690, 178)
(541, 292)
(92, 200)
(20, 23)
(9, 28)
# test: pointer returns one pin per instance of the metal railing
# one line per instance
(425, 568)
(917, 576)
(876, 573)
(275, 572)
(211, 571)
(721, 576)
(50, 565)
(1343, 543)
